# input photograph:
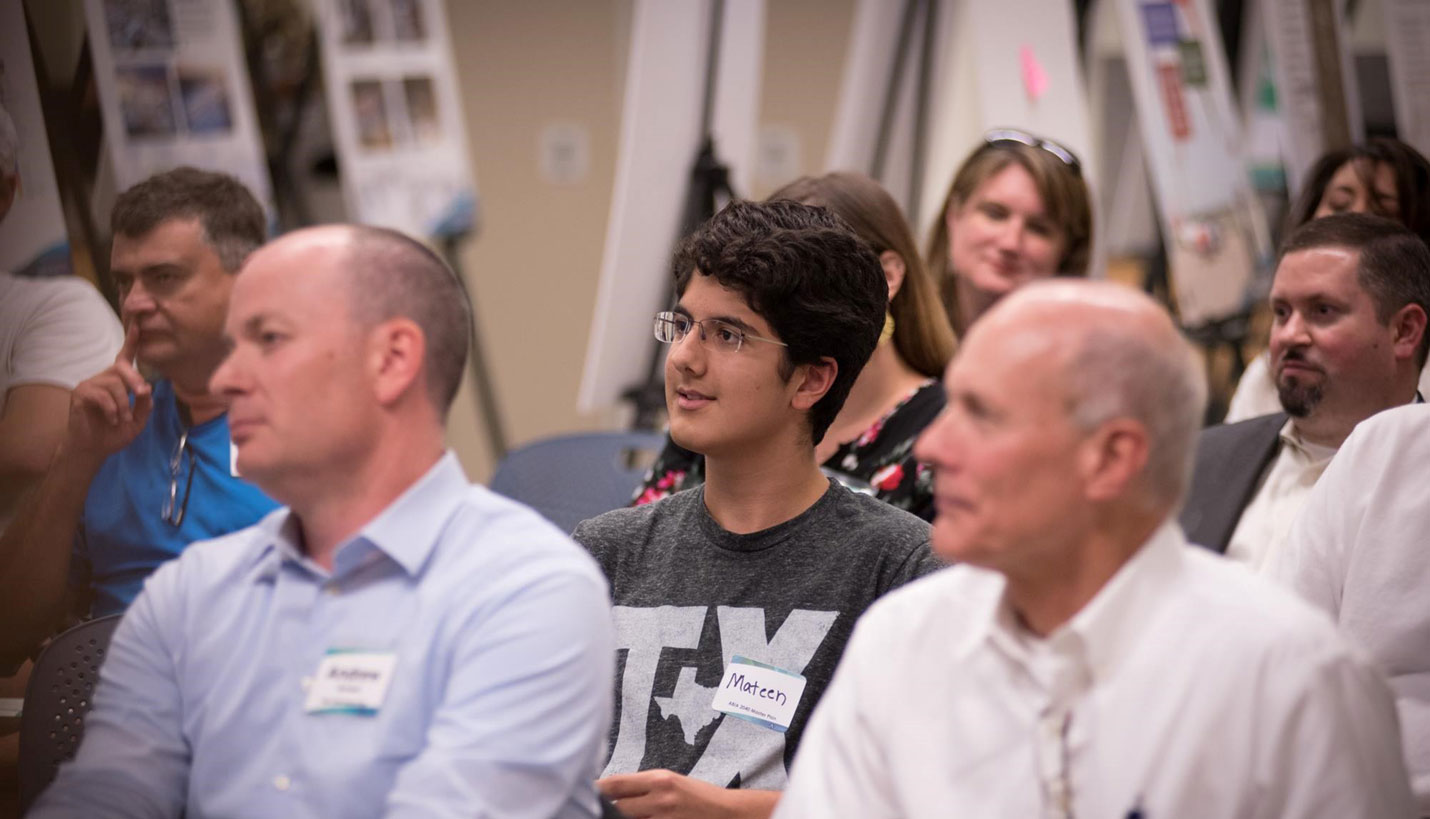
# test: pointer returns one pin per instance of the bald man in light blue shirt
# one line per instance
(395, 641)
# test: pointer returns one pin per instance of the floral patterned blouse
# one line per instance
(882, 457)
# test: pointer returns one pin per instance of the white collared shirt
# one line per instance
(1187, 687)
(1261, 531)
(1358, 551)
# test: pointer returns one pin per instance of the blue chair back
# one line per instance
(570, 478)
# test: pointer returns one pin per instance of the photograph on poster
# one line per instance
(424, 124)
(144, 100)
(370, 112)
(139, 24)
(407, 23)
(205, 98)
(356, 18)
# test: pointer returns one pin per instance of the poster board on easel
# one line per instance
(396, 115)
(1213, 228)
(1407, 34)
(174, 90)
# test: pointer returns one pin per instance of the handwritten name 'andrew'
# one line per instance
(739, 683)
(353, 674)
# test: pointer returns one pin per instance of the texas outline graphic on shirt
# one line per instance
(689, 704)
(737, 747)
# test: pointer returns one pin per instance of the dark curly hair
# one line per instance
(804, 270)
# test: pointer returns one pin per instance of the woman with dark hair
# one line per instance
(897, 393)
(1017, 211)
(1385, 177)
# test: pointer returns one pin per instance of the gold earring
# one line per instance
(888, 332)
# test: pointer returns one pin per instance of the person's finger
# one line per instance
(130, 348)
(113, 384)
(131, 377)
(624, 786)
(92, 397)
(642, 806)
(638, 807)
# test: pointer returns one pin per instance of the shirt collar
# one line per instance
(1108, 623)
(406, 531)
(1102, 630)
(1318, 453)
(1311, 453)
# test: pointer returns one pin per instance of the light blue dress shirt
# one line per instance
(499, 704)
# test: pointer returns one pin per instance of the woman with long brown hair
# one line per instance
(1017, 211)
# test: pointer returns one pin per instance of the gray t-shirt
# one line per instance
(690, 595)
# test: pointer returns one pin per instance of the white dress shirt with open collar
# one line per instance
(1187, 687)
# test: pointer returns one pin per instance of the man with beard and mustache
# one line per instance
(1348, 339)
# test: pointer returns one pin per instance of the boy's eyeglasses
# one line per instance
(1057, 149)
(720, 335)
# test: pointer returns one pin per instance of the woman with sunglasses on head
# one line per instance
(1017, 211)
(1385, 177)
(897, 393)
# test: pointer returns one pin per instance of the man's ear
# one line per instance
(1113, 456)
(1407, 328)
(812, 381)
(397, 349)
(894, 271)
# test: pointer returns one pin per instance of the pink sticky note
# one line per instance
(1035, 79)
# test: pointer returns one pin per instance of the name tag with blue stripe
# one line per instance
(760, 693)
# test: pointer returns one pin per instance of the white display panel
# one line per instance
(397, 119)
(174, 90)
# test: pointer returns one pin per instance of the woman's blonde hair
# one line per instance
(1060, 186)
(922, 334)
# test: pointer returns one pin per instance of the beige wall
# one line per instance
(805, 44)
(533, 267)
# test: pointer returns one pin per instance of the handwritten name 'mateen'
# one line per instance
(739, 683)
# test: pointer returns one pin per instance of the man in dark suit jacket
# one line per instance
(1349, 304)
(1230, 461)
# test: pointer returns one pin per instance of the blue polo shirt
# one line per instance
(123, 537)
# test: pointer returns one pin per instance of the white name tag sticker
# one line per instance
(350, 682)
(760, 693)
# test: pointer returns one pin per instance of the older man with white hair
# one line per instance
(1082, 661)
